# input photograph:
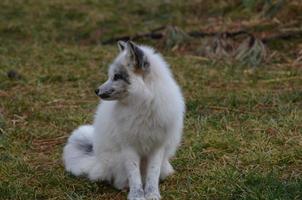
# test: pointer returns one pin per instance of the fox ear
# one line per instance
(121, 45)
(137, 56)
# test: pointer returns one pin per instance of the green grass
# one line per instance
(243, 127)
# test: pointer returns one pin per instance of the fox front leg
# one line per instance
(132, 165)
(153, 172)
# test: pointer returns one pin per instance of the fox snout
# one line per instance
(104, 94)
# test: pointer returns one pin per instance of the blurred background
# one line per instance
(239, 63)
(220, 29)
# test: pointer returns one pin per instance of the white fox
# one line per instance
(137, 128)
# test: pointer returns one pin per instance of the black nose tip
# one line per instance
(97, 91)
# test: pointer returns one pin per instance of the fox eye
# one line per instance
(117, 77)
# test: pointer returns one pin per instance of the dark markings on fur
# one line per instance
(121, 45)
(138, 54)
(146, 64)
(122, 73)
(86, 148)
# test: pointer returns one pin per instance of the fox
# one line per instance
(137, 127)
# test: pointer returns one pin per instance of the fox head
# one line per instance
(130, 66)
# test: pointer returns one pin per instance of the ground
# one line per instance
(242, 136)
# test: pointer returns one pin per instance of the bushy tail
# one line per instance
(78, 153)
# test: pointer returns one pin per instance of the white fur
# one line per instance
(133, 138)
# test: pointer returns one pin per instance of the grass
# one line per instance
(243, 133)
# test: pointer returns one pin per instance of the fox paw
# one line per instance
(136, 194)
(136, 198)
(153, 196)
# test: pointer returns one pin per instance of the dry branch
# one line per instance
(283, 36)
(157, 34)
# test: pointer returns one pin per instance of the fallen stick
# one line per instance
(156, 34)
(283, 36)
(152, 34)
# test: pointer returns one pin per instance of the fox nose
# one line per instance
(97, 91)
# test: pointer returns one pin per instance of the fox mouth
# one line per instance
(107, 96)
(111, 94)
(104, 95)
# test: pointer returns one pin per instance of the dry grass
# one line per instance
(242, 137)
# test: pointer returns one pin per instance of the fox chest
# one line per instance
(143, 132)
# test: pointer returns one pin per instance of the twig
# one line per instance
(152, 34)
(227, 34)
(283, 36)
(156, 34)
